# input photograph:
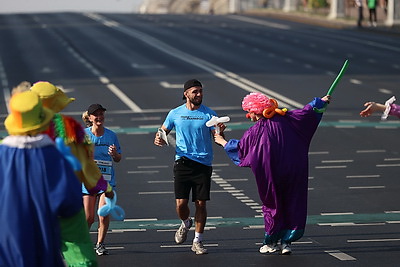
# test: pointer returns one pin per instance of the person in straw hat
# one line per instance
(74, 137)
(38, 185)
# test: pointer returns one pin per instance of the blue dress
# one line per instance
(37, 186)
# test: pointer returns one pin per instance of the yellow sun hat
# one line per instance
(27, 115)
(52, 97)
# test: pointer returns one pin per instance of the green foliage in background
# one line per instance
(317, 3)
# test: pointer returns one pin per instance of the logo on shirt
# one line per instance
(191, 118)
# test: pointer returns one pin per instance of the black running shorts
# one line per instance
(191, 175)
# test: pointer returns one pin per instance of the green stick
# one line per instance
(338, 77)
(333, 85)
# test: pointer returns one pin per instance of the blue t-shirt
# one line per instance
(101, 156)
(193, 137)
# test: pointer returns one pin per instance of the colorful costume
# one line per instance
(47, 188)
(74, 136)
(37, 187)
(77, 247)
(276, 149)
(394, 110)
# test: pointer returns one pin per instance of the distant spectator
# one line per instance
(359, 5)
(372, 12)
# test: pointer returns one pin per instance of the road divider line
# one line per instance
(373, 240)
(340, 255)
(192, 60)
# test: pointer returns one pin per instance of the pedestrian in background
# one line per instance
(359, 5)
(371, 4)
(106, 151)
(193, 160)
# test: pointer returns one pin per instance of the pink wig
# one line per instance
(256, 102)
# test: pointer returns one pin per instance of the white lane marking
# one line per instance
(318, 153)
(261, 22)
(141, 220)
(221, 165)
(142, 172)
(373, 240)
(371, 151)
(354, 81)
(392, 159)
(171, 192)
(207, 228)
(127, 230)
(350, 224)
(187, 246)
(340, 255)
(331, 167)
(387, 165)
(368, 187)
(153, 167)
(124, 98)
(200, 63)
(337, 161)
(336, 213)
(170, 85)
(104, 80)
(385, 91)
(231, 189)
(363, 176)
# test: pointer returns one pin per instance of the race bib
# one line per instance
(105, 168)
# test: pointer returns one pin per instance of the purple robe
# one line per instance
(276, 150)
(394, 110)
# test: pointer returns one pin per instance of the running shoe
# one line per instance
(269, 248)
(286, 250)
(181, 234)
(101, 249)
(199, 248)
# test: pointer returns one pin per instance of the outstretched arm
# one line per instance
(372, 107)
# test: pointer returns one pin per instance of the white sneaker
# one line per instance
(269, 248)
(181, 234)
(286, 250)
(199, 248)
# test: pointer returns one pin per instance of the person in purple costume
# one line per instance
(276, 150)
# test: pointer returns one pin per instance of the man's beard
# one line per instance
(196, 102)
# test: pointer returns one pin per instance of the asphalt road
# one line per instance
(135, 66)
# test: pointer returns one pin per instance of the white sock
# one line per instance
(198, 237)
(186, 222)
